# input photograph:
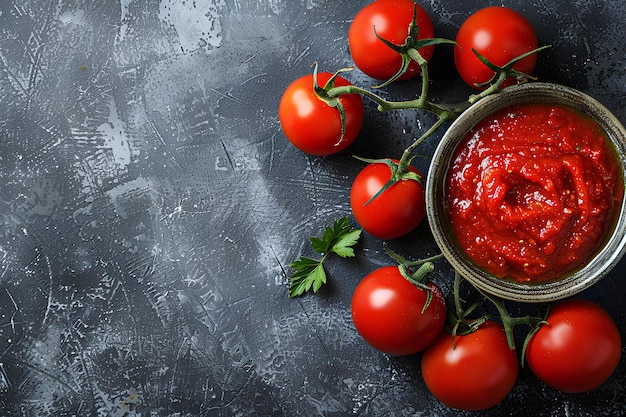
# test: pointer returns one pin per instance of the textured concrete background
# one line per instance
(150, 206)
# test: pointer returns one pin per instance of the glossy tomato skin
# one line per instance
(387, 312)
(500, 35)
(396, 211)
(477, 374)
(578, 350)
(391, 19)
(313, 126)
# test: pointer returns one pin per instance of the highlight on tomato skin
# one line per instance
(500, 34)
(311, 124)
(391, 19)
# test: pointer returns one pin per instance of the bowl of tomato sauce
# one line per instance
(525, 193)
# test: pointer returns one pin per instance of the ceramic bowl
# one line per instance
(605, 258)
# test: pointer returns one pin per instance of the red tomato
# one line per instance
(313, 126)
(578, 350)
(500, 35)
(391, 18)
(387, 312)
(477, 374)
(393, 213)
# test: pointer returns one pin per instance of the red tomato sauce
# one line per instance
(531, 191)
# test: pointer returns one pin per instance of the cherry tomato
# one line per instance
(578, 350)
(387, 312)
(500, 35)
(312, 125)
(476, 374)
(391, 18)
(393, 213)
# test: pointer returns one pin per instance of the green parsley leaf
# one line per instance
(343, 246)
(319, 245)
(310, 273)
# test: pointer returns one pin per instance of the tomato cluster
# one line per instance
(320, 123)
(575, 347)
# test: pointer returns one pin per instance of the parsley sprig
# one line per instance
(310, 273)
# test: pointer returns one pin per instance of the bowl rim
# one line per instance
(584, 277)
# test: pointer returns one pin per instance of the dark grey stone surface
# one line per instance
(150, 206)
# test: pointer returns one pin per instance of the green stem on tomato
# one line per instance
(537, 325)
(418, 279)
(400, 171)
(458, 307)
(423, 64)
(492, 89)
(449, 111)
(459, 317)
(385, 105)
(407, 155)
(508, 322)
(420, 274)
(422, 261)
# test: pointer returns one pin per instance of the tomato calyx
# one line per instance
(399, 172)
(417, 277)
(502, 73)
(409, 50)
(332, 101)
